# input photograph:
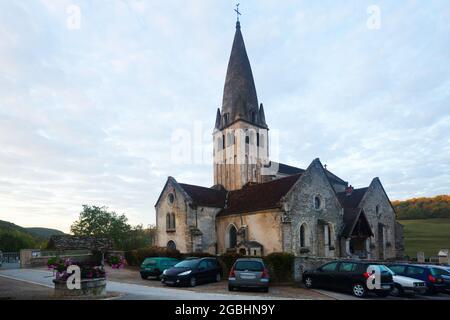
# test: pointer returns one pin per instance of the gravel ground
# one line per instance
(131, 275)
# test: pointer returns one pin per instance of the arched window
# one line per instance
(247, 139)
(168, 222)
(173, 221)
(377, 210)
(231, 236)
(317, 202)
(330, 236)
(171, 245)
(302, 236)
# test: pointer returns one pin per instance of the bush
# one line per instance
(227, 260)
(136, 257)
(198, 255)
(280, 265)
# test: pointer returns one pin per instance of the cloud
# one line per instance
(87, 116)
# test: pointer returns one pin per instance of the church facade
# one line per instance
(257, 207)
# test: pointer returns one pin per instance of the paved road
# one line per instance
(346, 296)
(129, 291)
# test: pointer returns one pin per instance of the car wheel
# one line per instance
(309, 282)
(359, 290)
(143, 277)
(218, 277)
(230, 288)
(266, 290)
(193, 282)
(397, 291)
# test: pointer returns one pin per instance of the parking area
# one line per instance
(132, 276)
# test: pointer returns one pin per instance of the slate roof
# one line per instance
(205, 197)
(255, 197)
(351, 218)
(286, 169)
(353, 200)
(239, 96)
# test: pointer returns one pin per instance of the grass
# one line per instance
(429, 236)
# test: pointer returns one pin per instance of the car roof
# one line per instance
(250, 259)
(161, 258)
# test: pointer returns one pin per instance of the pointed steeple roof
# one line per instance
(240, 100)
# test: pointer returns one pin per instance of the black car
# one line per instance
(436, 278)
(349, 276)
(193, 271)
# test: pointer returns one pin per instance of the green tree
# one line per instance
(99, 222)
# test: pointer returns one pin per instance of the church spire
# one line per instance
(240, 100)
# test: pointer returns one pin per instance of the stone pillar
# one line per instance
(369, 256)
(347, 247)
(420, 257)
(327, 240)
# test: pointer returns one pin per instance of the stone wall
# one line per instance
(299, 205)
(384, 241)
(183, 217)
(264, 227)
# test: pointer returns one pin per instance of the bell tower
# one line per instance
(240, 133)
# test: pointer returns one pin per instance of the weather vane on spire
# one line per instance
(237, 11)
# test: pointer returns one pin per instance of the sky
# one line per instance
(95, 94)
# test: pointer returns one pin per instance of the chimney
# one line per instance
(349, 190)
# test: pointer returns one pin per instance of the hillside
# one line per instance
(14, 237)
(428, 236)
(44, 232)
(423, 208)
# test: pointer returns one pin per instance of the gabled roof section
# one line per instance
(256, 197)
(353, 199)
(288, 170)
(205, 197)
(171, 180)
(356, 224)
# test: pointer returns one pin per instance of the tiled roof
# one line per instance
(352, 200)
(205, 197)
(255, 197)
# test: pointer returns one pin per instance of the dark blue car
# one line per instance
(436, 278)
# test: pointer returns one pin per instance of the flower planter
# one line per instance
(89, 288)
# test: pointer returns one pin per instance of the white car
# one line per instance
(407, 286)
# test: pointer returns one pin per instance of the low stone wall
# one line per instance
(89, 288)
(31, 258)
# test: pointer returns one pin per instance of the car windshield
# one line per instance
(248, 266)
(390, 270)
(439, 272)
(382, 268)
(187, 264)
(149, 262)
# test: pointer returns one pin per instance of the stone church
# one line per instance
(257, 207)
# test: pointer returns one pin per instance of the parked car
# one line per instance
(406, 286)
(1, 258)
(249, 273)
(154, 267)
(193, 271)
(435, 277)
(348, 275)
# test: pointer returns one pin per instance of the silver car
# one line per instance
(249, 273)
